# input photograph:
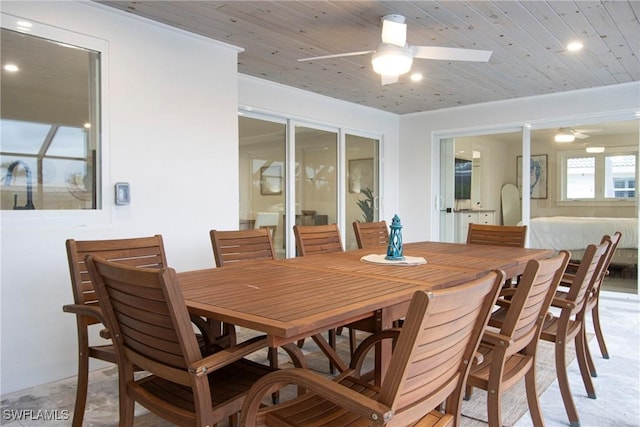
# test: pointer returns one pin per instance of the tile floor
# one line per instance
(618, 381)
(617, 384)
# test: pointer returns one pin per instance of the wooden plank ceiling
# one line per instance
(528, 40)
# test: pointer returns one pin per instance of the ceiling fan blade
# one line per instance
(387, 79)
(451, 53)
(394, 30)
(336, 55)
(580, 135)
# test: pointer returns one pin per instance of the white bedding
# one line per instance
(563, 232)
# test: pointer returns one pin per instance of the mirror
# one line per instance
(511, 209)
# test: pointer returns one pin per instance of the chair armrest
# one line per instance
(331, 390)
(296, 355)
(357, 359)
(496, 340)
(84, 310)
(227, 356)
(562, 303)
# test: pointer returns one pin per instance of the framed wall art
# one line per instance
(271, 180)
(360, 175)
(538, 174)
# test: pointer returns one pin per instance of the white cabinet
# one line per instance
(464, 218)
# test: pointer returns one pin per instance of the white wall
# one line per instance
(420, 168)
(172, 134)
(171, 121)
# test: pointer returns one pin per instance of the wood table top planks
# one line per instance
(299, 297)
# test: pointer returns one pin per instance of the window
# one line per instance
(50, 123)
(599, 177)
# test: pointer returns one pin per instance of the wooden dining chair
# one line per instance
(136, 252)
(430, 362)
(371, 234)
(509, 352)
(241, 246)
(151, 329)
(314, 239)
(594, 296)
(560, 328)
(497, 235)
(319, 239)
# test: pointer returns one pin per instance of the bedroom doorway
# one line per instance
(583, 186)
(590, 179)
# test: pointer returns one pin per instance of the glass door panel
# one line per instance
(362, 190)
(316, 174)
(262, 177)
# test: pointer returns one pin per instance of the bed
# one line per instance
(575, 233)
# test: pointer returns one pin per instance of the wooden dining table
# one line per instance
(302, 297)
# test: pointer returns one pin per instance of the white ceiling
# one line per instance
(528, 40)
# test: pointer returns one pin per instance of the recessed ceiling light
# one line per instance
(574, 46)
(12, 68)
(87, 125)
(24, 25)
(416, 77)
(594, 149)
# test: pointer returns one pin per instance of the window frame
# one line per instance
(599, 198)
(101, 215)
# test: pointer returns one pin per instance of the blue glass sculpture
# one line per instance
(394, 250)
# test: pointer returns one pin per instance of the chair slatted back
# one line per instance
(532, 298)
(497, 235)
(608, 256)
(147, 316)
(312, 239)
(136, 252)
(241, 245)
(588, 274)
(371, 234)
(434, 352)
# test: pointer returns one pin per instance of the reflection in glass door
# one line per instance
(291, 174)
(316, 175)
(262, 177)
(362, 190)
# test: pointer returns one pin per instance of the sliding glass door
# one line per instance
(295, 173)
(570, 185)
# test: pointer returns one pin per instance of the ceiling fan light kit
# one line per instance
(570, 135)
(564, 136)
(392, 60)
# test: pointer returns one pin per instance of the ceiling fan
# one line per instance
(569, 135)
(394, 55)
